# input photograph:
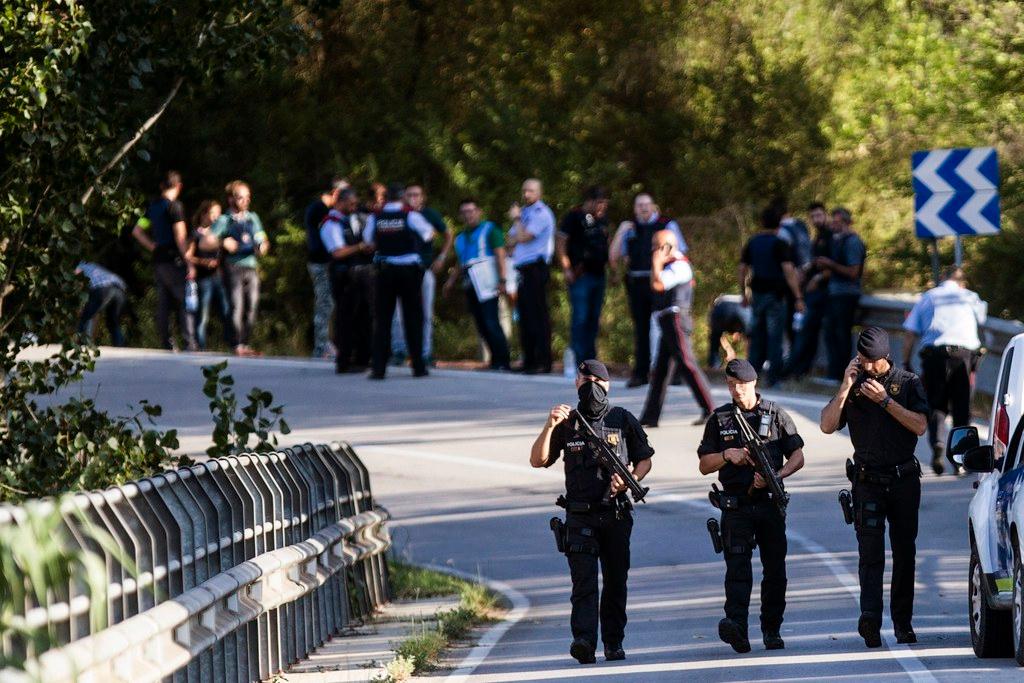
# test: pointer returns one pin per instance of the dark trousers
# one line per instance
(586, 296)
(170, 295)
(805, 347)
(351, 289)
(675, 353)
(212, 294)
(840, 312)
(534, 317)
(873, 505)
(393, 284)
(110, 301)
(609, 545)
(767, 330)
(638, 291)
(756, 523)
(488, 326)
(946, 373)
(243, 285)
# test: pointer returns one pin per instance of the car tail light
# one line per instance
(1002, 426)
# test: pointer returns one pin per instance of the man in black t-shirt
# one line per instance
(815, 288)
(318, 263)
(749, 515)
(581, 247)
(768, 261)
(598, 521)
(886, 409)
(162, 232)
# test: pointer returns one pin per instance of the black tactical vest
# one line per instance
(394, 236)
(640, 241)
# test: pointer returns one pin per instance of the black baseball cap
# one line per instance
(594, 368)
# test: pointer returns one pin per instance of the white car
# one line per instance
(996, 521)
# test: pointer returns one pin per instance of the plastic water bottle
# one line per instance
(798, 321)
(191, 296)
(569, 364)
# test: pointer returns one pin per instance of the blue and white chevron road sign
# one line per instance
(956, 192)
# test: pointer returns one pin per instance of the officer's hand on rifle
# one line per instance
(617, 485)
(737, 456)
(759, 482)
(559, 413)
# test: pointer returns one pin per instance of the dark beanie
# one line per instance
(741, 370)
(873, 343)
(594, 368)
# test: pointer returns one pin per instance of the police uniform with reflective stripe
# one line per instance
(749, 516)
(594, 530)
(886, 481)
(351, 284)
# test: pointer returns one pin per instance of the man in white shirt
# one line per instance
(946, 320)
(532, 239)
(398, 235)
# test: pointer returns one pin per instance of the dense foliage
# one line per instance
(234, 428)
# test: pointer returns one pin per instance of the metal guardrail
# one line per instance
(243, 565)
(889, 312)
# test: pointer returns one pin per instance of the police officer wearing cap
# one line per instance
(749, 516)
(598, 521)
(886, 410)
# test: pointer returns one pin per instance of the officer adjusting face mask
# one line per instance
(593, 403)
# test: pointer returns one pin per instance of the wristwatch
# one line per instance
(885, 402)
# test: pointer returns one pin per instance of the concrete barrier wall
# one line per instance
(239, 567)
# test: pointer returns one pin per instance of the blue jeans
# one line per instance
(767, 328)
(586, 296)
(211, 292)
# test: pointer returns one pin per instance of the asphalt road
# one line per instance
(448, 455)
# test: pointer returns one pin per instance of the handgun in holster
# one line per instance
(558, 528)
(715, 496)
(846, 503)
(716, 534)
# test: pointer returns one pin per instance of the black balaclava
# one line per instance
(593, 403)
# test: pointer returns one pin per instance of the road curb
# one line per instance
(520, 605)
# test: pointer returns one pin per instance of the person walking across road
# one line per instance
(318, 263)
(433, 263)
(342, 237)
(244, 240)
(845, 268)
(671, 283)
(768, 263)
(750, 517)
(598, 519)
(582, 250)
(632, 244)
(482, 269)
(532, 238)
(945, 320)
(162, 232)
(398, 235)
(886, 411)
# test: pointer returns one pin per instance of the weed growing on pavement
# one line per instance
(398, 670)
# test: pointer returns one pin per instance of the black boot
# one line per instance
(869, 628)
(732, 633)
(773, 641)
(905, 634)
(582, 651)
(614, 652)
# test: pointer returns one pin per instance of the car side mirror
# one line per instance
(961, 440)
(978, 459)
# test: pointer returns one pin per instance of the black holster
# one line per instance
(558, 528)
(715, 496)
(846, 504)
(716, 534)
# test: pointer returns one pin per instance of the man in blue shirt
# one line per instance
(398, 235)
(946, 320)
(532, 238)
(845, 268)
(632, 244)
(480, 250)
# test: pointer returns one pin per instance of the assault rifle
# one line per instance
(758, 450)
(608, 459)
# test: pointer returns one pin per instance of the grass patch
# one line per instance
(422, 650)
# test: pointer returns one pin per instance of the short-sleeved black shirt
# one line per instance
(163, 214)
(585, 480)
(721, 433)
(586, 240)
(765, 253)
(879, 440)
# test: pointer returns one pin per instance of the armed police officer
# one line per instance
(750, 516)
(598, 522)
(886, 410)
